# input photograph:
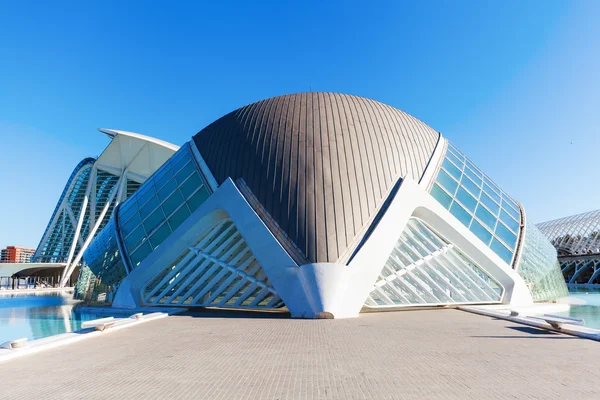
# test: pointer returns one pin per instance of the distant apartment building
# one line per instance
(16, 254)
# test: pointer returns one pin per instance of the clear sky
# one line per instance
(515, 85)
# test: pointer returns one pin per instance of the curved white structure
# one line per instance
(325, 204)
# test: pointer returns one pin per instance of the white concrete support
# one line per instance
(81, 217)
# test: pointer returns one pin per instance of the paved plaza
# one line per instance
(444, 354)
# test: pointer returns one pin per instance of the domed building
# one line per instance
(325, 204)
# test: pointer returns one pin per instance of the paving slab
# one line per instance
(433, 354)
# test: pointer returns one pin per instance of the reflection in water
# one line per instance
(589, 310)
(35, 316)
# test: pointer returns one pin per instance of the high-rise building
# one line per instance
(16, 254)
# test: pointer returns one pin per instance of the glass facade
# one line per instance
(539, 267)
(219, 271)
(424, 269)
(478, 203)
(161, 204)
(103, 271)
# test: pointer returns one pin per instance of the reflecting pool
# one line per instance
(39, 315)
(589, 309)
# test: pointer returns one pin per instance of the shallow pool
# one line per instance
(589, 310)
(39, 315)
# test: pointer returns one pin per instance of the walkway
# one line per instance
(444, 354)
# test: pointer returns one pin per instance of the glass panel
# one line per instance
(149, 207)
(172, 202)
(470, 186)
(166, 190)
(198, 198)
(189, 186)
(154, 219)
(485, 216)
(440, 195)
(160, 235)
(136, 236)
(140, 254)
(501, 250)
(466, 199)
(159, 182)
(509, 221)
(130, 225)
(510, 210)
(460, 213)
(452, 169)
(186, 171)
(492, 193)
(473, 176)
(483, 234)
(146, 191)
(506, 235)
(179, 216)
(489, 203)
(447, 182)
(455, 160)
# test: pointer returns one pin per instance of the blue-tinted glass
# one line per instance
(481, 232)
(189, 186)
(509, 221)
(476, 179)
(452, 169)
(154, 219)
(177, 164)
(140, 254)
(441, 196)
(470, 186)
(167, 190)
(466, 199)
(160, 235)
(172, 202)
(491, 193)
(147, 208)
(160, 182)
(198, 198)
(486, 217)
(145, 192)
(186, 171)
(179, 216)
(510, 210)
(474, 168)
(454, 159)
(501, 250)
(506, 235)
(461, 214)
(455, 151)
(489, 203)
(130, 225)
(136, 236)
(491, 184)
(126, 210)
(510, 201)
(447, 182)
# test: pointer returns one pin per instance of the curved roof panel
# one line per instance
(320, 164)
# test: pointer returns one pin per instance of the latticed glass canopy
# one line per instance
(575, 235)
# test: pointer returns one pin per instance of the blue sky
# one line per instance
(515, 85)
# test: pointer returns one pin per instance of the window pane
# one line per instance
(167, 190)
(466, 199)
(198, 198)
(447, 182)
(136, 236)
(506, 235)
(154, 219)
(441, 196)
(179, 216)
(160, 235)
(460, 213)
(470, 186)
(491, 193)
(485, 216)
(149, 207)
(454, 159)
(509, 221)
(452, 169)
(172, 202)
(130, 225)
(177, 164)
(140, 254)
(481, 232)
(489, 203)
(501, 250)
(474, 168)
(185, 172)
(510, 210)
(188, 187)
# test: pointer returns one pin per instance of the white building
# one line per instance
(325, 204)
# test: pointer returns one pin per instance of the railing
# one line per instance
(28, 282)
